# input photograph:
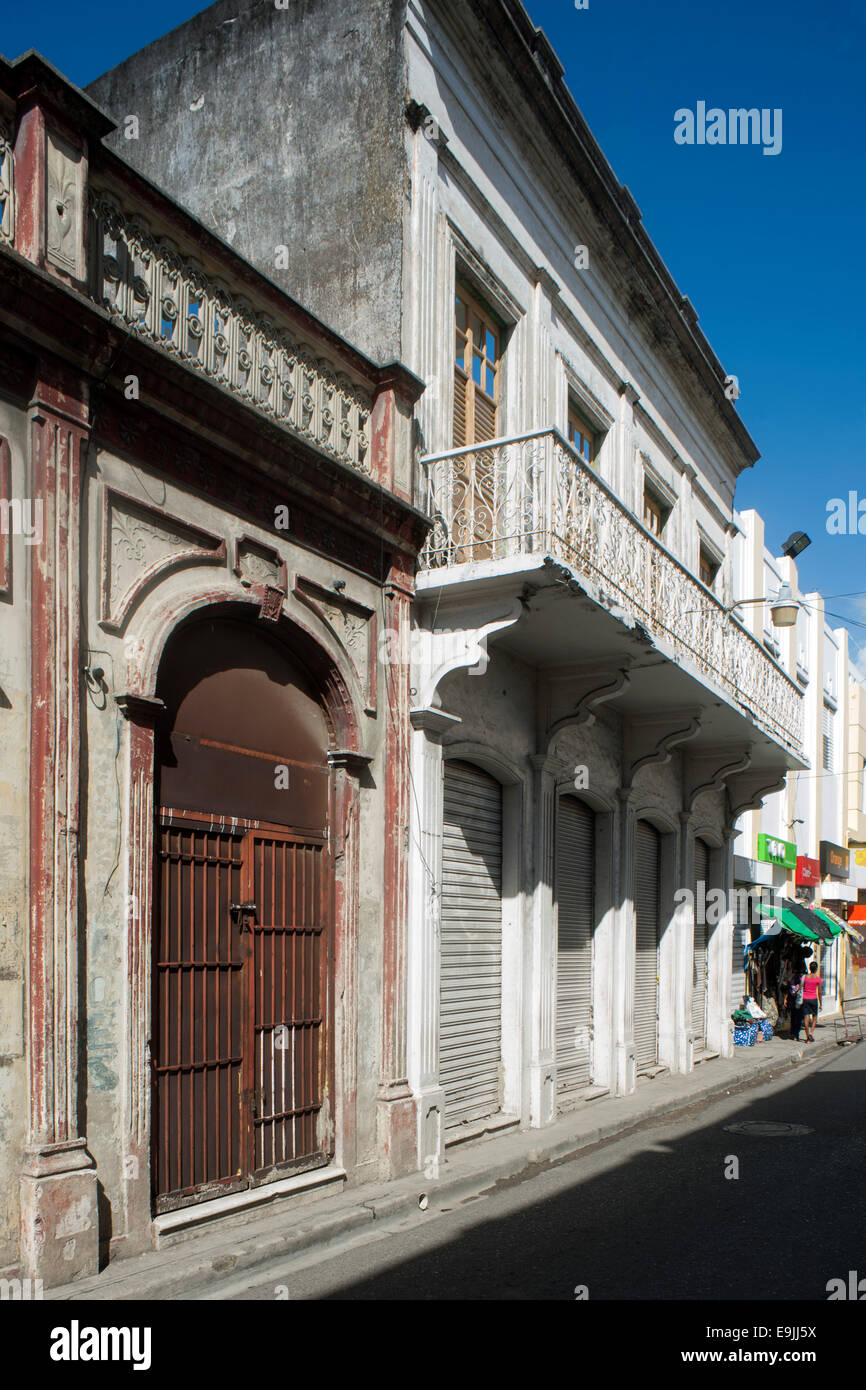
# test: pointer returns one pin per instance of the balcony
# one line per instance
(158, 289)
(532, 495)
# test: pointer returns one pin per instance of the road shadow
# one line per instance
(665, 1223)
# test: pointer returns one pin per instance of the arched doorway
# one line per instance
(240, 1043)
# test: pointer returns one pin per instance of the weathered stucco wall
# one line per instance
(14, 750)
(110, 1032)
(284, 128)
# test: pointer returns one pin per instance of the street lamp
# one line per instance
(784, 608)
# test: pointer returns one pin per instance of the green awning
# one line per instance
(836, 925)
(789, 920)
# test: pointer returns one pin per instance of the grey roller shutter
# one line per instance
(742, 935)
(647, 866)
(575, 866)
(470, 1008)
(699, 954)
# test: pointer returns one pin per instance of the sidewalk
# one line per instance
(241, 1242)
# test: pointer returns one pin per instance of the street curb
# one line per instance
(189, 1272)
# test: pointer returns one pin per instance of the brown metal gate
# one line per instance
(287, 1008)
(239, 1053)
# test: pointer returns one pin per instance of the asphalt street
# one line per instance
(651, 1216)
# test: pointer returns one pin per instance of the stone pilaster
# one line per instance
(396, 1105)
(347, 767)
(141, 714)
(625, 1069)
(719, 954)
(542, 996)
(683, 1051)
(59, 1220)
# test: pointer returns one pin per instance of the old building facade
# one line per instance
(589, 718)
(207, 523)
(449, 647)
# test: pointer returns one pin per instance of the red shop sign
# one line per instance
(808, 872)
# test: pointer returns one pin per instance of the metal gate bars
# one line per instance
(240, 1004)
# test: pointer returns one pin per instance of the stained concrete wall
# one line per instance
(14, 755)
(284, 128)
(109, 1029)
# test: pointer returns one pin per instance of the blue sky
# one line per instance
(770, 249)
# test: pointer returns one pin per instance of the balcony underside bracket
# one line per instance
(747, 790)
(653, 738)
(595, 688)
(710, 769)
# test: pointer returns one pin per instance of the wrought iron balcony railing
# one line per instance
(534, 495)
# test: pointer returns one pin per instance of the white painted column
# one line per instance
(539, 388)
(720, 1037)
(541, 995)
(424, 943)
(625, 1070)
(429, 306)
(683, 1052)
(625, 483)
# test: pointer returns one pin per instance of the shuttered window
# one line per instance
(575, 901)
(476, 370)
(648, 870)
(827, 731)
(581, 435)
(470, 1011)
(699, 960)
(708, 567)
(654, 514)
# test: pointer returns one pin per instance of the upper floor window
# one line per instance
(581, 435)
(477, 348)
(709, 566)
(827, 739)
(655, 510)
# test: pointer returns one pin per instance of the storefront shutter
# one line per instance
(470, 1034)
(741, 939)
(647, 866)
(575, 864)
(699, 967)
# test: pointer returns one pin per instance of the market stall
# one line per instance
(775, 964)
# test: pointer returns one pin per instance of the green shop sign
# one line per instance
(772, 850)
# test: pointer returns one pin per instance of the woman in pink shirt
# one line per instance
(811, 996)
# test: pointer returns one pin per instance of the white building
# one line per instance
(818, 814)
(589, 720)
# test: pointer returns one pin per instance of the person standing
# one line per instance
(811, 997)
(795, 1001)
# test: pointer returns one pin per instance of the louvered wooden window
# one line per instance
(581, 436)
(709, 567)
(476, 370)
(654, 516)
(827, 739)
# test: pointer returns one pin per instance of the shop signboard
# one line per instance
(835, 860)
(860, 858)
(772, 850)
(808, 871)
